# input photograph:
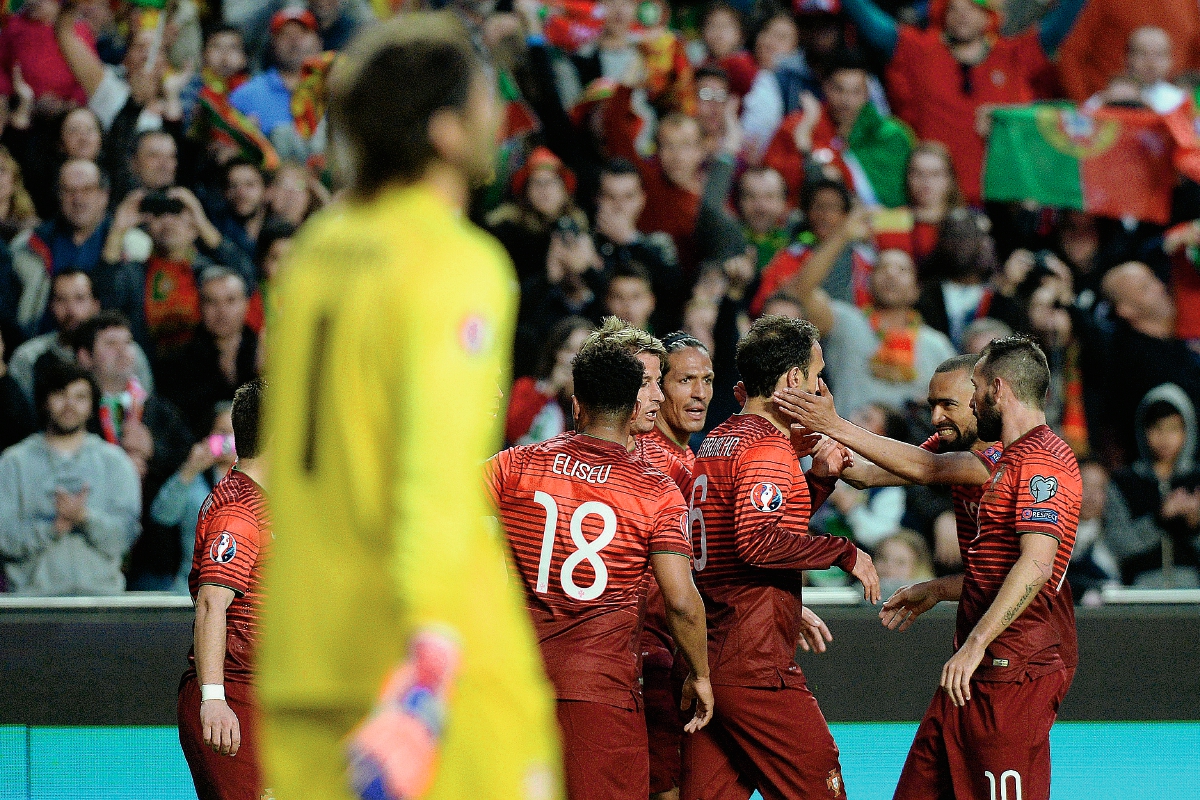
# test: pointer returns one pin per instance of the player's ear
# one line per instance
(575, 411)
(795, 378)
(448, 135)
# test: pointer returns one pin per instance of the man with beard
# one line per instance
(955, 456)
(387, 589)
(69, 501)
(1001, 690)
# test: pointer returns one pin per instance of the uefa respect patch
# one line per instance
(766, 497)
(1040, 515)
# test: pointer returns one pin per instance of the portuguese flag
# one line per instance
(1111, 161)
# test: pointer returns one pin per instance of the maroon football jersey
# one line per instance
(1035, 488)
(582, 516)
(750, 507)
(233, 536)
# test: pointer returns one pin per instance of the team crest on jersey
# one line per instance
(1043, 487)
(766, 497)
(474, 334)
(223, 549)
(833, 782)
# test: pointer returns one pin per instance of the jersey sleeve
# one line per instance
(495, 472)
(670, 526)
(1045, 494)
(229, 548)
(771, 511)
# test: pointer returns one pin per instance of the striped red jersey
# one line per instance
(582, 516)
(750, 511)
(655, 449)
(684, 454)
(966, 498)
(233, 538)
(1035, 488)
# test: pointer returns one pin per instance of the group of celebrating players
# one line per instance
(664, 587)
(603, 523)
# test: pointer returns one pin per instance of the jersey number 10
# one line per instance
(585, 550)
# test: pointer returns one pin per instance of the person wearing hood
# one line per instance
(944, 80)
(543, 192)
(1154, 505)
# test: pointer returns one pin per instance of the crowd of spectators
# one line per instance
(685, 167)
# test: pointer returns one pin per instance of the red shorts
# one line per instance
(663, 728)
(773, 740)
(604, 751)
(219, 777)
(996, 747)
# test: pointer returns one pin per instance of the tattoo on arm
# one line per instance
(1012, 613)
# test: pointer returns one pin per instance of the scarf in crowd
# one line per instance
(311, 95)
(224, 123)
(116, 409)
(895, 361)
(1074, 420)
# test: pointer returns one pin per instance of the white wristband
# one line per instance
(212, 691)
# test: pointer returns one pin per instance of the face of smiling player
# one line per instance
(650, 397)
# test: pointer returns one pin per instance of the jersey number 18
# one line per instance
(585, 550)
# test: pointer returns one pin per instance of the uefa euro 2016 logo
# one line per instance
(766, 497)
(223, 549)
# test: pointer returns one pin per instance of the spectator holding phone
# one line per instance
(178, 502)
(161, 295)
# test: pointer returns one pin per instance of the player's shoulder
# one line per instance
(1045, 446)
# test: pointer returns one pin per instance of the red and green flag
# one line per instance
(1112, 161)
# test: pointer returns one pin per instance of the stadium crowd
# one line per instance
(685, 168)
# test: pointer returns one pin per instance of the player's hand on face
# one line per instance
(220, 726)
(697, 691)
(902, 609)
(814, 633)
(956, 675)
(864, 570)
(813, 411)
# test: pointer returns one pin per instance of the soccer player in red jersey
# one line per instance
(687, 385)
(750, 507)
(216, 707)
(954, 455)
(986, 734)
(585, 518)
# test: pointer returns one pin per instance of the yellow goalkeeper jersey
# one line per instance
(394, 331)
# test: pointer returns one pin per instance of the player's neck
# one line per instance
(253, 468)
(765, 407)
(672, 436)
(449, 184)
(1019, 421)
(609, 433)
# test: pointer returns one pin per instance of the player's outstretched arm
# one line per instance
(902, 608)
(816, 412)
(222, 732)
(1024, 581)
(686, 621)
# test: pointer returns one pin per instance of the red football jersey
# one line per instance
(582, 516)
(966, 518)
(966, 498)
(655, 449)
(750, 506)
(1035, 488)
(233, 536)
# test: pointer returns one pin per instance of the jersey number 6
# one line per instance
(696, 514)
(585, 550)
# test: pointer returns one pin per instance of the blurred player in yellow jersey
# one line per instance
(396, 659)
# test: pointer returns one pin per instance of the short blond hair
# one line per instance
(621, 333)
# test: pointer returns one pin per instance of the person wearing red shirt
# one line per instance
(1014, 661)
(943, 80)
(28, 42)
(750, 507)
(218, 712)
(585, 519)
(953, 456)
